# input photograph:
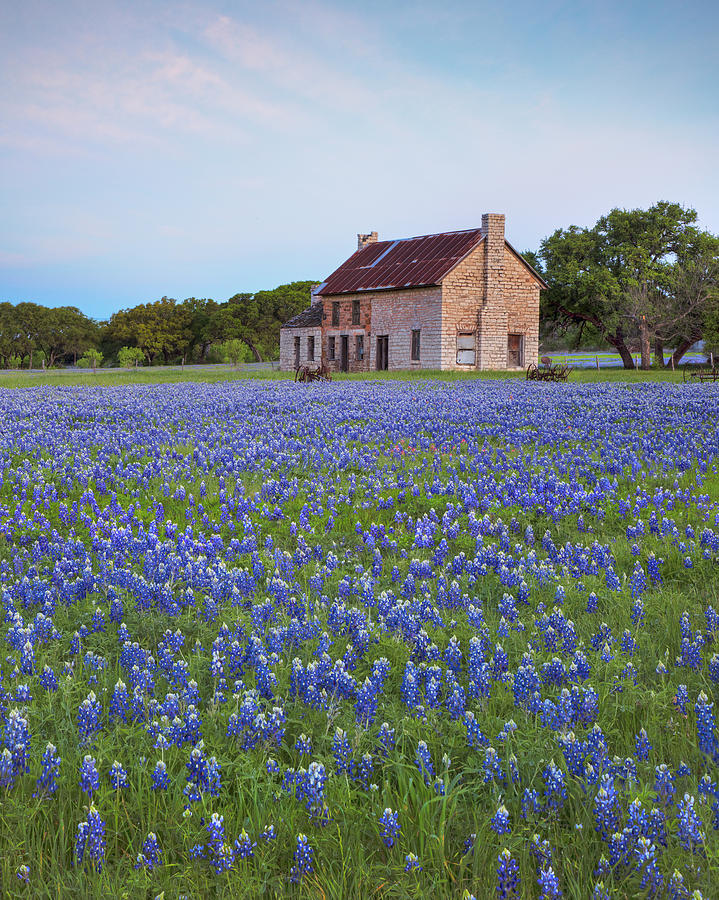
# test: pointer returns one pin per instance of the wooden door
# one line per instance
(344, 353)
(383, 352)
(514, 350)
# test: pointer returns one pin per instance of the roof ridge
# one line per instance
(435, 234)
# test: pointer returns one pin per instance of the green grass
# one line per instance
(167, 375)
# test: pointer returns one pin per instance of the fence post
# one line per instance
(597, 360)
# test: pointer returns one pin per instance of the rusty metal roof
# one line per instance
(308, 318)
(410, 262)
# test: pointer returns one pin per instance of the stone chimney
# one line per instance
(363, 240)
(313, 290)
(493, 354)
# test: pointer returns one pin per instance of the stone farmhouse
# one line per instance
(460, 300)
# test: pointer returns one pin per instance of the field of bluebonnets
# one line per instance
(360, 639)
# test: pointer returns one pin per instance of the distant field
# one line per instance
(212, 374)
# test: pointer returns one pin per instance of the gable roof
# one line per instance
(409, 262)
(308, 318)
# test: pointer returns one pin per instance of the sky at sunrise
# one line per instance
(202, 149)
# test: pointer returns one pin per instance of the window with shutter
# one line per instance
(466, 355)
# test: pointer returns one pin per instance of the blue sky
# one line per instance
(201, 149)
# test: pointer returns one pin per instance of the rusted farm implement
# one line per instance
(306, 373)
(547, 372)
(701, 375)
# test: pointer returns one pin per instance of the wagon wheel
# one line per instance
(531, 370)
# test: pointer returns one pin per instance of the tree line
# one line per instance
(245, 327)
(638, 280)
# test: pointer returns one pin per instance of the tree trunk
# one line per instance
(659, 352)
(252, 348)
(29, 365)
(684, 345)
(644, 344)
(617, 341)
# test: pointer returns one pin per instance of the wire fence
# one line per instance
(613, 360)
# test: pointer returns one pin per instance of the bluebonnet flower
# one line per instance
(88, 718)
(508, 880)
(423, 762)
(90, 841)
(643, 745)
(150, 857)
(555, 787)
(221, 854)
(637, 580)
(646, 864)
(705, 725)
(17, 749)
(390, 826)
(676, 887)
(303, 745)
(118, 776)
(268, 833)
(48, 679)
(638, 613)
(681, 699)
(203, 776)
(664, 784)
(119, 703)
(23, 873)
(47, 782)
(714, 668)
(160, 778)
(607, 810)
(653, 568)
(549, 884)
(314, 789)
(244, 846)
(386, 739)
(303, 859)
(411, 863)
(531, 802)
(689, 831)
(493, 767)
(89, 776)
(499, 823)
(475, 735)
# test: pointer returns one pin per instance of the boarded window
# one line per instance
(311, 348)
(515, 350)
(415, 344)
(466, 349)
(355, 312)
(335, 312)
(331, 348)
(359, 347)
